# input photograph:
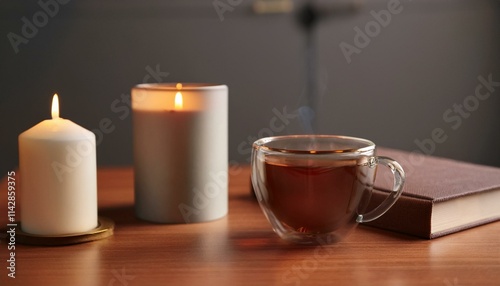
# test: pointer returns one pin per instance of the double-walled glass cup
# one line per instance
(314, 189)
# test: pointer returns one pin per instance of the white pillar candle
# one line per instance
(57, 163)
(180, 152)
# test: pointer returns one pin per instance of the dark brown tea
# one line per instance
(318, 199)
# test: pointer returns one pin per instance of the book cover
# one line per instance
(440, 196)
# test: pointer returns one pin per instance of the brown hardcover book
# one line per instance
(440, 196)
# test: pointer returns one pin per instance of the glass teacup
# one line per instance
(315, 188)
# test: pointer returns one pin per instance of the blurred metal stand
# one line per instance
(308, 15)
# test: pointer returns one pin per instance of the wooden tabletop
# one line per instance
(242, 249)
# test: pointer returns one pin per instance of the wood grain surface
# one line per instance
(242, 249)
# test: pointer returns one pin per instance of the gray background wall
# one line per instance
(395, 91)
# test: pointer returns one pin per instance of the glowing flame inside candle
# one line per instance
(55, 107)
(178, 100)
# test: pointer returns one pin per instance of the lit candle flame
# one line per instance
(178, 100)
(178, 86)
(55, 107)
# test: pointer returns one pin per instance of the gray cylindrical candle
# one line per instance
(180, 152)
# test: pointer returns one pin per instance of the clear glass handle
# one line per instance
(399, 179)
